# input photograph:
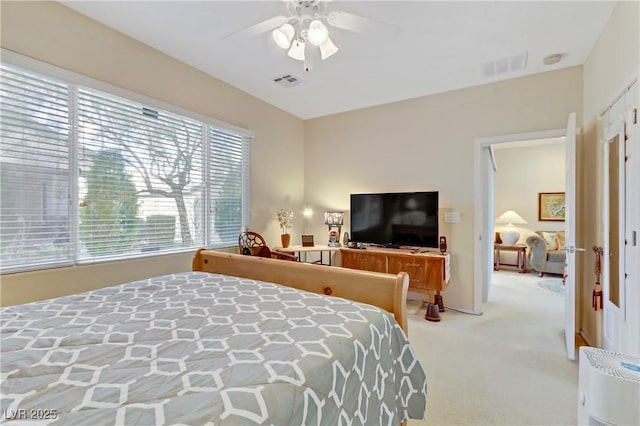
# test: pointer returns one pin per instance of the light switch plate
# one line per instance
(452, 217)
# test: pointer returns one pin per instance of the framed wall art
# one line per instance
(307, 241)
(551, 206)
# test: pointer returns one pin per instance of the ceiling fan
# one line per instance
(306, 28)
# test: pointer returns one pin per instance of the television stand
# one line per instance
(428, 271)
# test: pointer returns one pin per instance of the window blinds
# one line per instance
(140, 177)
(226, 186)
(147, 180)
(34, 170)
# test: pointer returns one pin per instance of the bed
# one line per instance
(237, 340)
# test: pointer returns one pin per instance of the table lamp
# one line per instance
(509, 234)
(334, 220)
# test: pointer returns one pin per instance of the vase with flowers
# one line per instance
(285, 218)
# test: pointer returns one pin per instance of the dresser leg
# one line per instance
(433, 313)
(440, 302)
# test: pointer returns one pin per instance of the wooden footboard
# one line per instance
(386, 291)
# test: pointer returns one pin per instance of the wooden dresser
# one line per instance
(428, 272)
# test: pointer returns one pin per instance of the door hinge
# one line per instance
(634, 116)
(633, 238)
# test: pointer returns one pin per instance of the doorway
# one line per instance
(484, 187)
(484, 219)
(526, 173)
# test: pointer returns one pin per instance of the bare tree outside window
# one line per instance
(161, 152)
(140, 176)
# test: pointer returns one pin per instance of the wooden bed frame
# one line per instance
(386, 291)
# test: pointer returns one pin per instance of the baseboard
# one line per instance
(584, 337)
(464, 311)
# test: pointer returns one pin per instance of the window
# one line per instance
(34, 169)
(144, 180)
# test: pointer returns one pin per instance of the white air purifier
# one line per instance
(608, 389)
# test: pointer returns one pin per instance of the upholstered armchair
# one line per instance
(545, 252)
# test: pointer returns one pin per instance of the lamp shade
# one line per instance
(510, 217)
(317, 33)
(334, 218)
(327, 49)
(283, 35)
(297, 50)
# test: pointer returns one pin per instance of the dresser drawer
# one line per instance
(364, 261)
(426, 273)
(415, 267)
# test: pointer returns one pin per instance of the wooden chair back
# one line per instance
(253, 244)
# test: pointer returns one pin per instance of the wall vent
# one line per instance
(499, 67)
(286, 80)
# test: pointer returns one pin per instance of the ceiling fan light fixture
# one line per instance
(327, 48)
(283, 35)
(317, 33)
(297, 50)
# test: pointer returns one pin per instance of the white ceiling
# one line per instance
(420, 47)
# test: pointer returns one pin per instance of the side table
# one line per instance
(298, 250)
(521, 251)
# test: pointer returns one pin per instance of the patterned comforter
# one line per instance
(199, 348)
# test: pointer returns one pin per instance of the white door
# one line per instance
(489, 215)
(613, 265)
(570, 238)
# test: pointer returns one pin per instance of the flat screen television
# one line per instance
(395, 219)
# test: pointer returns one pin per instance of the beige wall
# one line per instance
(612, 64)
(524, 172)
(428, 144)
(57, 35)
(420, 144)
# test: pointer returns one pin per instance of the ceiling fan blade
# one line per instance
(259, 28)
(360, 24)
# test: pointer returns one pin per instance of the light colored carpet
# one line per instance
(552, 284)
(505, 367)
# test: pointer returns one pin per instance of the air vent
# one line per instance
(499, 67)
(287, 80)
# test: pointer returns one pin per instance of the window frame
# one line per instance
(76, 81)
